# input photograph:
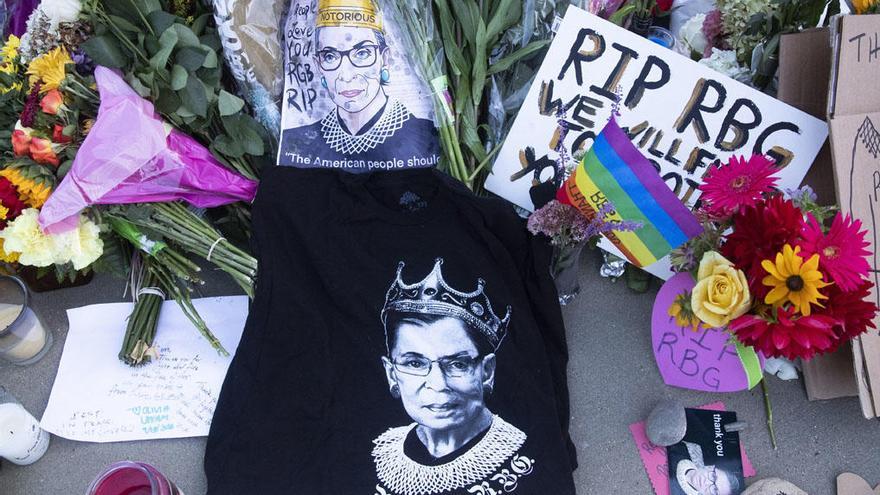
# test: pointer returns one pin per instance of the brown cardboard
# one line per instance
(805, 86)
(831, 376)
(854, 111)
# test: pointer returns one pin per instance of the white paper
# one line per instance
(97, 398)
(682, 156)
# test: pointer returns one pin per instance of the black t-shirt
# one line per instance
(405, 339)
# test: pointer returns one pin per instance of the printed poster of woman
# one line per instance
(352, 101)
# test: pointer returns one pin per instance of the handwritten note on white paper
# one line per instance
(97, 398)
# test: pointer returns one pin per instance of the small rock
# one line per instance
(773, 486)
(667, 423)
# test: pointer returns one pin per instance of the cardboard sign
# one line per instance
(681, 115)
(705, 360)
(854, 118)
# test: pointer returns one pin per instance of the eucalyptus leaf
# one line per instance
(210, 77)
(167, 102)
(185, 36)
(194, 98)
(179, 77)
(123, 24)
(227, 146)
(190, 58)
(64, 168)
(167, 42)
(200, 23)
(151, 44)
(229, 104)
(210, 58)
(139, 87)
(104, 51)
(212, 41)
(161, 20)
(184, 113)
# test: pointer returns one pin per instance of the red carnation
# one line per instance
(58, 135)
(10, 199)
(758, 234)
(791, 335)
(853, 310)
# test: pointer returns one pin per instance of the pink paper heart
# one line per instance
(704, 360)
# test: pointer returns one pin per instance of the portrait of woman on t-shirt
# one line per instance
(441, 365)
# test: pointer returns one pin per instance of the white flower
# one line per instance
(724, 61)
(61, 11)
(691, 34)
(23, 235)
(80, 246)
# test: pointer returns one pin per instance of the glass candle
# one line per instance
(22, 441)
(23, 339)
(661, 36)
(132, 478)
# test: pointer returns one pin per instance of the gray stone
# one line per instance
(773, 486)
(666, 424)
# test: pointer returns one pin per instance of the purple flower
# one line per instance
(84, 63)
(565, 225)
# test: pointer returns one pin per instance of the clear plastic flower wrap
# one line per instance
(132, 156)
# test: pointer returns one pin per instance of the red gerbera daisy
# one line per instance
(842, 251)
(739, 184)
(790, 335)
(758, 234)
(854, 310)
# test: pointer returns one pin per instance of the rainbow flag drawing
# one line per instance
(614, 170)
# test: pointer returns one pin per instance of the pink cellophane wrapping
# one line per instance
(128, 157)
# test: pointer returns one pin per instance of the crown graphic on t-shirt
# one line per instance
(433, 296)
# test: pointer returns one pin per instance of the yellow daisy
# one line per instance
(794, 280)
(49, 69)
(32, 192)
(9, 50)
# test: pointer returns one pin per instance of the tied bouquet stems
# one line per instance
(174, 275)
(137, 346)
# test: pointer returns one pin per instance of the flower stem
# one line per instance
(768, 408)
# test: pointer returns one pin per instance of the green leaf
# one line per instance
(509, 60)
(179, 77)
(506, 14)
(467, 13)
(244, 130)
(225, 145)
(212, 41)
(190, 58)
(167, 42)
(138, 86)
(168, 102)
(63, 169)
(481, 57)
(229, 104)
(454, 55)
(194, 98)
(200, 23)
(210, 58)
(211, 77)
(185, 36)
(123, 24)
(104, 51)
(161, 20)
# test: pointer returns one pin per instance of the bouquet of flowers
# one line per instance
(740, 38)
(95, 161)
(779, 272)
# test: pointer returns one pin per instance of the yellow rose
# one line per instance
(721, 293)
